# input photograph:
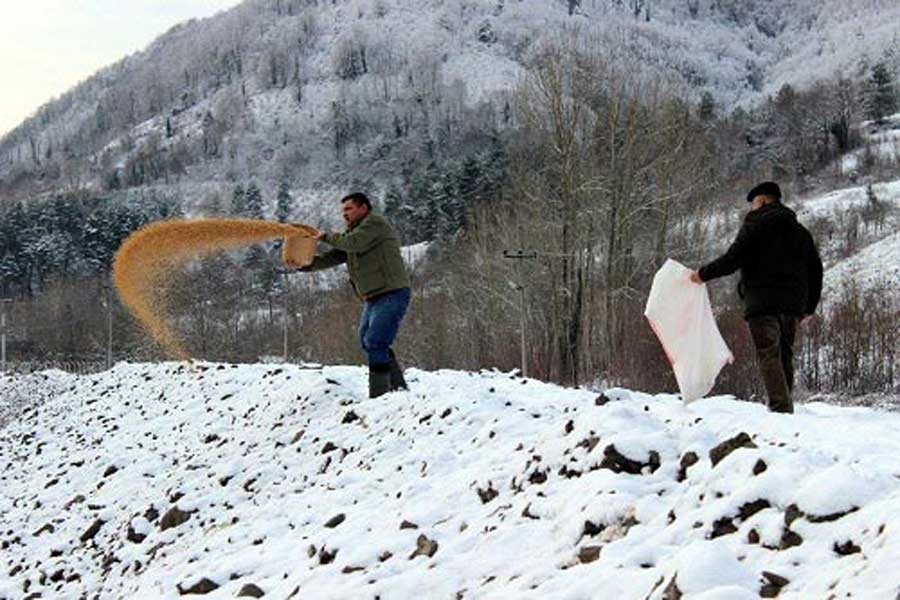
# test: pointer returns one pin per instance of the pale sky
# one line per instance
(48, 46)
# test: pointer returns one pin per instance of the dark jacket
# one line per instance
(372, 253)
(781, 272)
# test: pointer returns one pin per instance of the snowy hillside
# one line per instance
(153, 481)
(881, 140)
(876, 264)
(274, 89)
(875, 259)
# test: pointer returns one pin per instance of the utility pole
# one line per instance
(284, 313)
(284, 318)
(109, 326)
(3, 304)
(523, 344)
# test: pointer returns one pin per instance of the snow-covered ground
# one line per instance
(842, 200)
(877, 265)
(883, 141)
(154, 479)
(29, 389)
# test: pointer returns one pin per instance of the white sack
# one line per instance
(680, 314)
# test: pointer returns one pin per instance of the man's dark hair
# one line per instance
(358, 198)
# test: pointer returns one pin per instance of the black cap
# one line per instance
(766, 188)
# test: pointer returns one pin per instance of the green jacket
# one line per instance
(372, 253)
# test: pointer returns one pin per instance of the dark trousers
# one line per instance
(379, 324)
(773, 336)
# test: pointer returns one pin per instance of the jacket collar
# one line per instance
(769, 210)
(360, 222)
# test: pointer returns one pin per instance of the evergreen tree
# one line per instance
(13, 267)
(96, 244)
(257, 261)
(238, 201)
(707, 109)
(494, 168)
(470, 180)
(12, 223)
(163, 208)
(254, 202)
(68, 214)
(283, 202)
(881, 98)
(393, 202)
(424, 213)
(398, 212)
(12, 272)
(453, 207)
(54, 253)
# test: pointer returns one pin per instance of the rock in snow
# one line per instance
(168, 484)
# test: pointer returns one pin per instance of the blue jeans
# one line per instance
(379, 323)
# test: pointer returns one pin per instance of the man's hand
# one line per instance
(695, 277)
(309, 230)
(320, 236)
(291, 265)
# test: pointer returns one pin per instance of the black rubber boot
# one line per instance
(379, 379)
(397, 380)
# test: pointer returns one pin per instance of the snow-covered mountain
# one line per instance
(312, 92)
(162, 480)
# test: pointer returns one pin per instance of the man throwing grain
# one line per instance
(781, 281)
(372, 253)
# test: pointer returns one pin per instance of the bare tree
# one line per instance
(606, 165)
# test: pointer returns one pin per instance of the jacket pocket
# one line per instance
(370, 276)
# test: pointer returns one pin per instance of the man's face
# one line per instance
(759, 201)
(353, 213)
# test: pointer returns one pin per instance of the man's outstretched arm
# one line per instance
(734, 258)
(326, 260)
(369, 232)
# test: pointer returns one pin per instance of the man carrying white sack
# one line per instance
(781, 282)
